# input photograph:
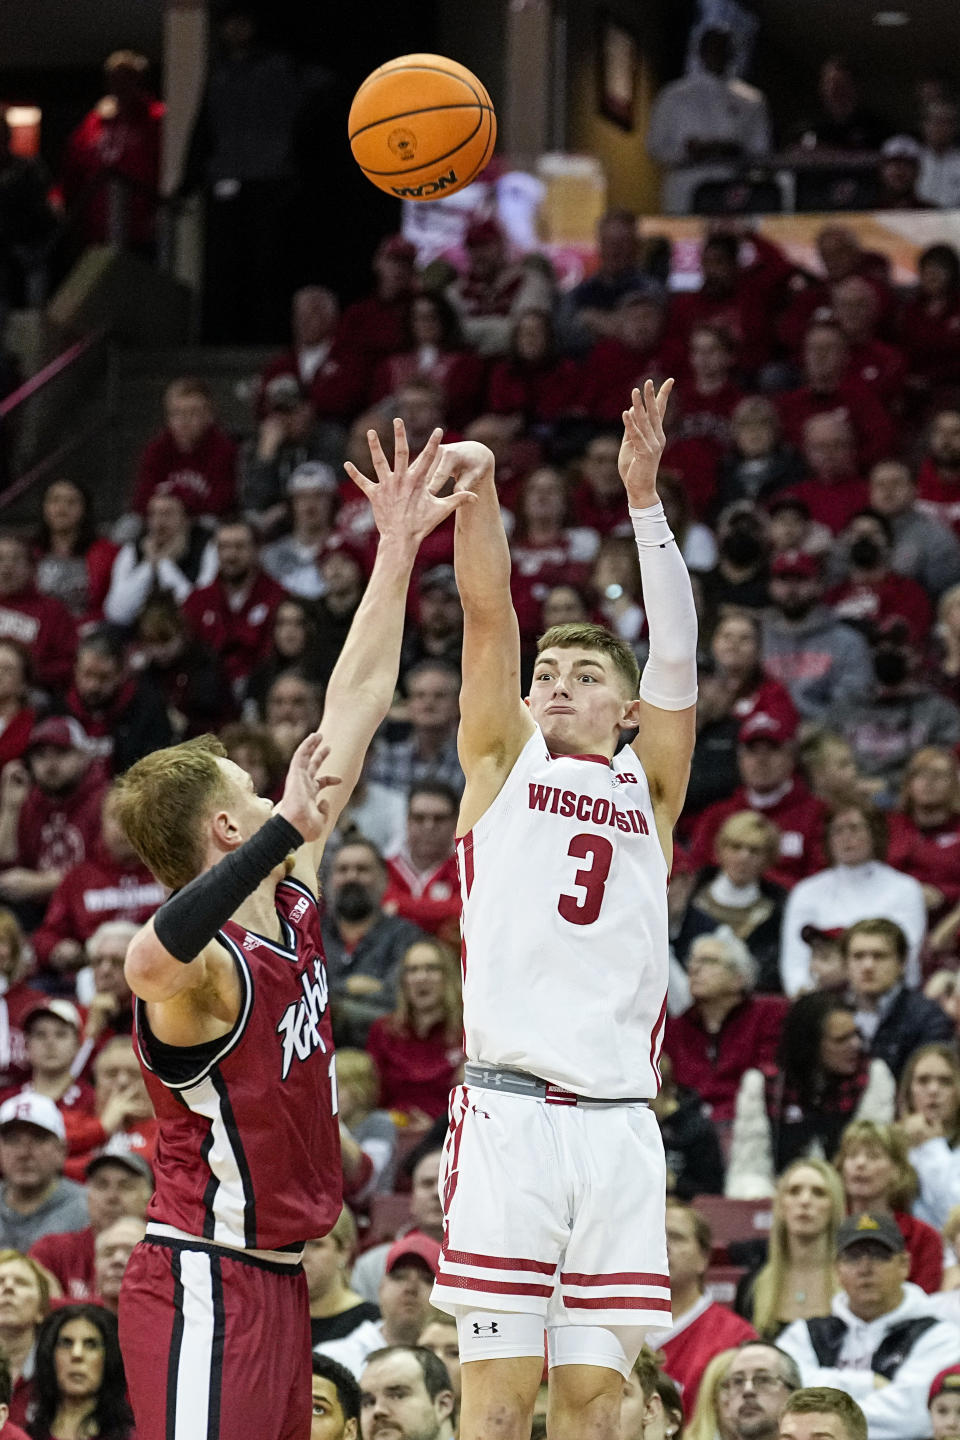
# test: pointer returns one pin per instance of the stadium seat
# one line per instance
(733, 1220)
(721, 1282)
(738, 197)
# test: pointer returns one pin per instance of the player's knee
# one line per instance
(498, 1397)
(584, 1403)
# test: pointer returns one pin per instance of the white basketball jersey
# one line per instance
(564, 924)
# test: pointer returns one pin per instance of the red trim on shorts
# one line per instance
(494, 1287)
(467, 843)
(497, 1262)
(615, 1302)
(655, 1038)
(556, 1096)
(453, 1175)
(617, 1277)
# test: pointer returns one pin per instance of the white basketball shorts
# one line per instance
(554, 1210)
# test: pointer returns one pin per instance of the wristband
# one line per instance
(650, 527)
(190, 919)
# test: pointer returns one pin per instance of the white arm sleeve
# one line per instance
(669, 679)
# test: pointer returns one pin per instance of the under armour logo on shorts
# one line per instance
(491, 1329)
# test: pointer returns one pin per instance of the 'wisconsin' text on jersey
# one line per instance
(592, 809)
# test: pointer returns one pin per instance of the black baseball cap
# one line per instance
(870, 1225)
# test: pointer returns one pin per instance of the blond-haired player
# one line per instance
(233, 1030)
(553, 1175)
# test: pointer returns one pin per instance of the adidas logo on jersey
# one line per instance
(299, 1028)
(250, 942)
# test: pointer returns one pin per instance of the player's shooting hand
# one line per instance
(467, 463)
(405, 497)
(303, 803)
(643, 443)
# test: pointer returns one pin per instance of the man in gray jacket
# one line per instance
(35, 1199)
(820, 659)
(923, 546)
(882, 1344)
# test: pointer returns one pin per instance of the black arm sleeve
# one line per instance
(191, 918)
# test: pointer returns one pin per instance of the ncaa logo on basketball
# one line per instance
(299, 1029)
(431, 187)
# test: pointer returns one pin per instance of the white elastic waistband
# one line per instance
(275, 1257)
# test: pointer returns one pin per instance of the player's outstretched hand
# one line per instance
(643, 443)
(303, 802)
(405, 498)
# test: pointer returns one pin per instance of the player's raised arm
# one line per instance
(668, 686)
(494, 723)
(406, 507)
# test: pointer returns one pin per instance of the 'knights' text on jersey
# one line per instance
(565, 938)
(249, 1148)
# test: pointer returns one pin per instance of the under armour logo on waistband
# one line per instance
(491, 1329)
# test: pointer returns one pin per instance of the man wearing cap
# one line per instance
(770, 786)
(49, 813)
(35, 1199)
(52, 1033)
(899, 171)
(404, 1298)
(883, 1344)
(492, 292)
(193, 456)
(313, 497)
(818, 658)
(943, 1403)
(118, 1184)
(289, 434)
(438, 633)
(234, 614)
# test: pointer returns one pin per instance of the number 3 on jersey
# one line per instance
(598, 850)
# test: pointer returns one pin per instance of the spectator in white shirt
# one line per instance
(174, 555)
(704, 125)
(312, 493)
(882, 1344)
(930, 1117)
(939, 179)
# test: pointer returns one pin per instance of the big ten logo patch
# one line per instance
(299, 910)
(299, 1028)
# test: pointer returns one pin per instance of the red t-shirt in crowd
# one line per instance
(832, 502)
(930, 856)
(925, 1248)
(87, 1137)
(714, 1065)
(204, 478)
(799, 816)
(537, 568)
(123, 141)
(339, 385)
(373, 327)
(69, 1256)
(541, 394)
(241, 636)
(57, 831)
(16, 1002)
(871, 603)
(430, 899)
(612, 369)
(881, 367)
(43, 626)
(98, 890)
(870, 420)
(931, 342)
(459, 374)
(416, 1072)
(694, 1340)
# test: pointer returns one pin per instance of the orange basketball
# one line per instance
(421, 126)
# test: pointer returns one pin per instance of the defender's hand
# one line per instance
(406, 498)
(303, 803)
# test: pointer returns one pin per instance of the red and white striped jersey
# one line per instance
(248, 1153)
(564, 889)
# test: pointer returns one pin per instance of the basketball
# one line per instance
(421, 126)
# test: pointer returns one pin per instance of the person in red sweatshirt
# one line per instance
(872, 594)
(124, 1122)
(418, 1050)
(702, 1327)
(377, 323)
(116, 1185)
(834, 491)
(923, 833)
(422, 880)
(873, 362)
(743, 280)
(727, 1028)
(49, 811)
(938, 479)
(192, 457)
(534, 380)
(770, 785)
(826, 387)
(122, 715)
(17, 999)
(37, 623)
(326, 358)
(112, 885)
(639, 345)
(234, 615)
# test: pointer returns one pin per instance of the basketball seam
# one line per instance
(483, 101)
(421, 110)
(488, 151)
(436, 159)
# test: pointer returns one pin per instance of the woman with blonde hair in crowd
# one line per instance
(418, 1050)
(798, 1279)
(707, 1422)
(24, 1304)
(358, 1093)
(929, 1117)
(877, 1176)
(923, 833)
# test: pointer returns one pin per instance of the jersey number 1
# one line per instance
(598, 850)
